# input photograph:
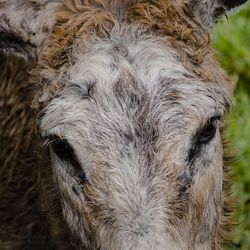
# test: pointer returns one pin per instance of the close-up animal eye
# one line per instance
(61, 148)
(207, 133)
(203, 137)
(66, 153)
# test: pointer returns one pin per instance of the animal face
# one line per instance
(131, 106)
(136, 147)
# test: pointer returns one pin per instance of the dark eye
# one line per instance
(62, 148)
(207, 133)
(66, 153)
(203, 136)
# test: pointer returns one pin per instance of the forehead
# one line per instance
(145, 59)
(124, 76)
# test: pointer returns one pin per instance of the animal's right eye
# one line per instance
(62, 148)
(65, 152)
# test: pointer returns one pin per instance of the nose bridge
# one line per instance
(138, 197)
(135, 185)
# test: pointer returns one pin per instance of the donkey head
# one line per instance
(131, 103)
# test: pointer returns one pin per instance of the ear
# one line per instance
(207, 12)
(25, 25)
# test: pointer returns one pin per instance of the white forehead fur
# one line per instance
(148, 60)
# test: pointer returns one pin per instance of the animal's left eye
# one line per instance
(203, 137)
(207, 133)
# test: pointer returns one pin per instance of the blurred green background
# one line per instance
(232, 41)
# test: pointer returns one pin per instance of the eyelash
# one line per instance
(204, 136)
(66, 154)
(62, 149)
(207, 133)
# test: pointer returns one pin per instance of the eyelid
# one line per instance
(48, 140)
(73, 160)
(217, 120)
(214, 120)
(216, 117)
(213, 123)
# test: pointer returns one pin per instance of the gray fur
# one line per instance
(131, 104)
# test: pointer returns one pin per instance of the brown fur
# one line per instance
(19, 181)
(32, 211)
(163, 17)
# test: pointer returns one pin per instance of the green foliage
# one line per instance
(232, 39)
